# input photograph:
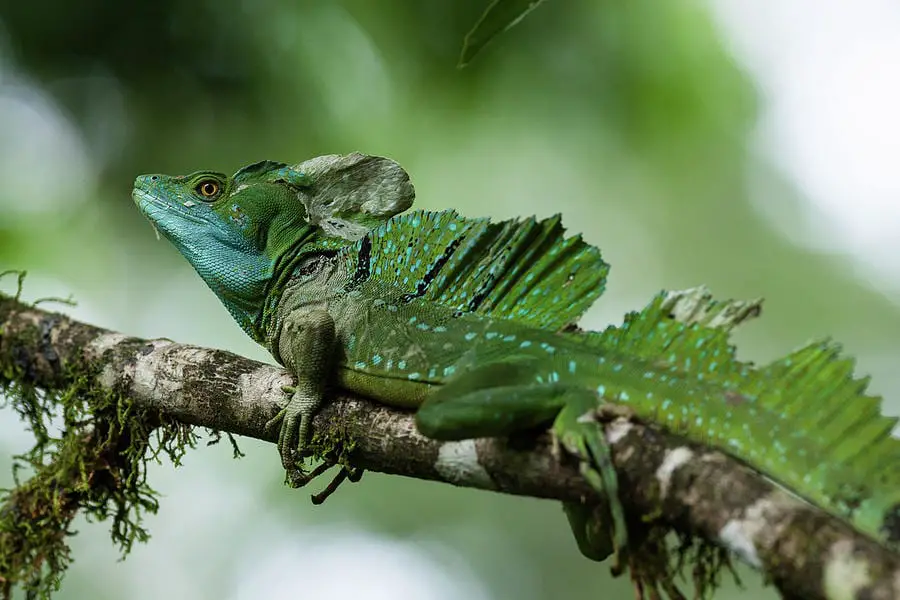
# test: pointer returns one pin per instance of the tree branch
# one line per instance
(694, 490)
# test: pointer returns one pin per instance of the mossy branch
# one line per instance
(125, 400)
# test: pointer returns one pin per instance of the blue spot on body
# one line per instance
(470, 336)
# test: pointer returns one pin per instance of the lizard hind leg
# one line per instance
(600, 531)
(502, 398)
(493, 400)
(590, 525)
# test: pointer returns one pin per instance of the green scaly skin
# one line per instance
(464, 319)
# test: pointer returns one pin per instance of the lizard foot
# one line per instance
(299, 478)
(584, 438)
(291, 424)
(351, 474)
(281, 423)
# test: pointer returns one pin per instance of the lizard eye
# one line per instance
(208, 189)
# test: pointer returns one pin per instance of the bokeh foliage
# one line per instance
(631, 118)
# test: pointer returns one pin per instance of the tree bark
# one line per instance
(694, 490)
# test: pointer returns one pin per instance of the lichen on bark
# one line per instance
(90, 453)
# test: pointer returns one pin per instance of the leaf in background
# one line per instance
(499, 16)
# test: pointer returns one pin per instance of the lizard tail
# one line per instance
(804, 420)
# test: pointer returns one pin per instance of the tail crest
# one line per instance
(827, 439)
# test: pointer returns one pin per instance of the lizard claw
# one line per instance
(272, 424)
(297, 478)
(288, 422)
(350, 474)
(280, 423)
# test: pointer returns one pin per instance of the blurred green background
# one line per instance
(636, 120)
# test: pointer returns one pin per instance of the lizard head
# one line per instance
(244, 233)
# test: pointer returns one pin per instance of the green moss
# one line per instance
(656, 564)
(333, 446)
(97, 464)
(335, 442)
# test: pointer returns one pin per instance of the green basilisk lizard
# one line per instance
(467, 321)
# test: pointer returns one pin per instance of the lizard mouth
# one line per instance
(159, 211)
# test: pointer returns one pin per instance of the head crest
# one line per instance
(347, 195)
(256, 169)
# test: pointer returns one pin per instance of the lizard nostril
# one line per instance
(154, 177)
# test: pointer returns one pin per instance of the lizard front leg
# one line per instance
(306, 346)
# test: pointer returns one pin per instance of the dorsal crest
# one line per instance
(525, 270)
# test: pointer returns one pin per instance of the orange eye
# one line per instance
(208, 188)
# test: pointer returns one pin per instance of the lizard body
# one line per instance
(464, 320)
